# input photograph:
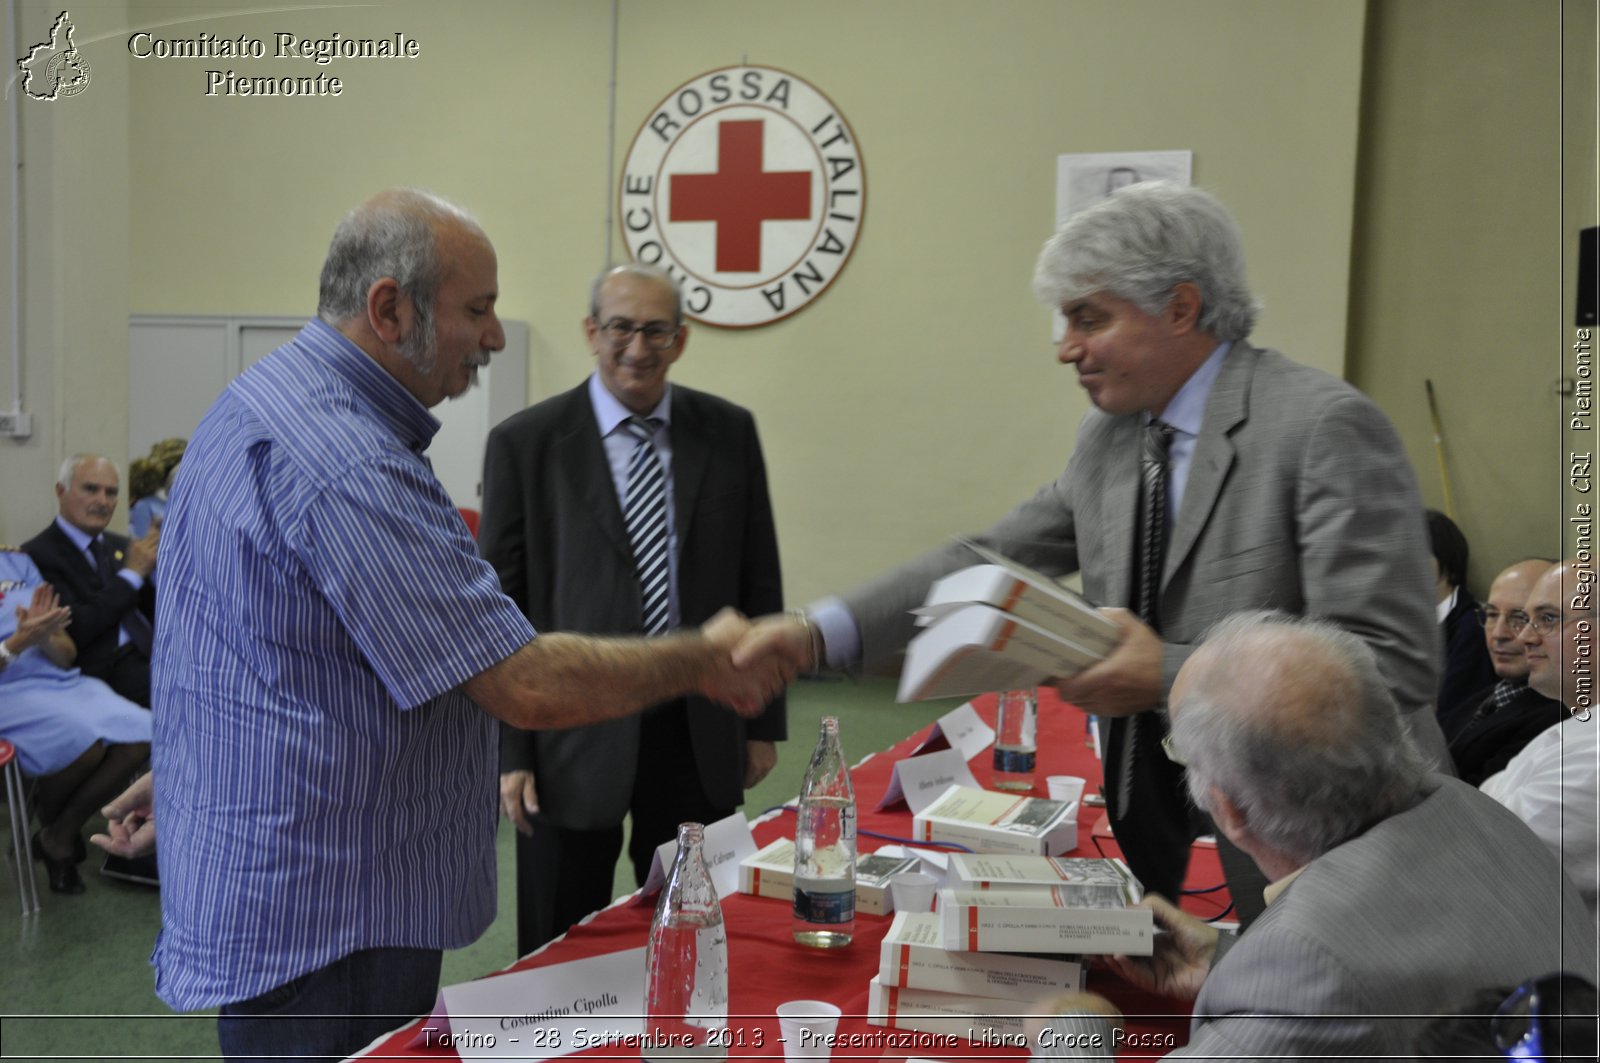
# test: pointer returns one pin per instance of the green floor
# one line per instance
(75, 982)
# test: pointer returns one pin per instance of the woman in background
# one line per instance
(80, 739)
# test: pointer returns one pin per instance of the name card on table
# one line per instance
(543, 1013)
(961, 729)
(920, 780)
(727, 841)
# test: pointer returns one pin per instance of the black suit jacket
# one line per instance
(98, 606)
(1467, 667)
(1485, 744)
(552, 528)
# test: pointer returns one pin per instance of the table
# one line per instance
(766, 966)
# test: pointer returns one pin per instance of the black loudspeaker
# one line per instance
(1588, 278)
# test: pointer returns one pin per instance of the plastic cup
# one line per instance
(1065, 787)
(912, 891)
(807, 1028)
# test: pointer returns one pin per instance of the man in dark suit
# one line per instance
(104, 577)
(626, 506)
(1280, 487)
(1467, 667)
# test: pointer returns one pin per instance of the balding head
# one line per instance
(1560, 634)
(397, 235)
(1503, 615)
(1289, 721)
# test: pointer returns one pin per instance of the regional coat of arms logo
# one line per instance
(55, 68)
(747, 184)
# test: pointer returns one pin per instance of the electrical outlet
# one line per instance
(16, 425)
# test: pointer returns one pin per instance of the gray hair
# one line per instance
(1325, 761)
(644, 271)
(70, 466)
(396, 235)
(1143, 242)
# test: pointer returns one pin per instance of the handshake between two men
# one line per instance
(566, 680)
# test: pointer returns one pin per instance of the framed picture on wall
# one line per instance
(1084, 179)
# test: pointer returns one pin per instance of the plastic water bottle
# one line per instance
(686, 963)
(825, 848)
(1015, 747)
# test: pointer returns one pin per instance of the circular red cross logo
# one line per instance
(747, 184)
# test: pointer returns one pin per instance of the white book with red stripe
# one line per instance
(1093, 920)
(770, 873)
(1027, 595)
(975, 649)
(987, 1020)
(914, 957)
(986, 821)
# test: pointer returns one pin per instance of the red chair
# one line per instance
(471, 517)
(21, 842)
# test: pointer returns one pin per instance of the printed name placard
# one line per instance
(727, 841)
(544, 1013)
(961, 729)
(920, 780)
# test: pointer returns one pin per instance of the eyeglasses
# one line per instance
(1171, 751)
(1544, 622)
(658, 335)
(1489, 616)
(1529, 1022)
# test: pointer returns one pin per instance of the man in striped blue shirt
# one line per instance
(328, 644)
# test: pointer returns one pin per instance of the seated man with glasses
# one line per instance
(1395, 893)
(1503, 718)
(1553, 785)
(626, 505)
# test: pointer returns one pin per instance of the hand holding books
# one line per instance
(1182, 956)
(1128, 680)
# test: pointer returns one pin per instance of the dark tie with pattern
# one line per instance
(134, 623)
(1154, 441)
(1149, 808)
(645, 514)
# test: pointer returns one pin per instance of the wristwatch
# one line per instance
(6, 656)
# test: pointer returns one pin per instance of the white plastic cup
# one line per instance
(1065, 787)
(913, 891)
(807, 1028)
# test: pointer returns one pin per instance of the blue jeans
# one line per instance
(335, 1011)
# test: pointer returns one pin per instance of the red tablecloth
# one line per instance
(767, 967)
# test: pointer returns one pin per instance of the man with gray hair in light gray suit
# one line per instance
(1395, 892)
(1212, 476)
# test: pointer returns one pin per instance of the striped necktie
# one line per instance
(1154, 441)
(645, 514)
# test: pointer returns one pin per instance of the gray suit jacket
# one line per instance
(1393, 926)
(552, 528)
(1299, 498)
(1407, 920)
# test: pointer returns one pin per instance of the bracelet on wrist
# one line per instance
(813, 637)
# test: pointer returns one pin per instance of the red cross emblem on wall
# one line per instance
(741, 195)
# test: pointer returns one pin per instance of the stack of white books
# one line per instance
(1009, 931)
(1037, 904)
(921, 985)
(1001, 626)
(989, 822)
